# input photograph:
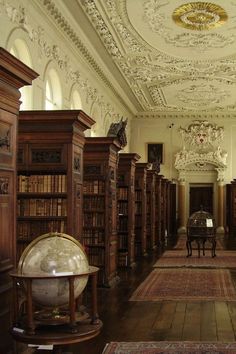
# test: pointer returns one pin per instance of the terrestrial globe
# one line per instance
(59, 255)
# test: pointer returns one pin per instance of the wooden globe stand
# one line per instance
(27, 329)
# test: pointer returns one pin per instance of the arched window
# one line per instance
(76, 100)
(20, 50)
(53, 95)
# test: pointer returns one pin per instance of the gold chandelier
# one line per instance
(199, 16)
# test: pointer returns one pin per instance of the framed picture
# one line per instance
(155, 151)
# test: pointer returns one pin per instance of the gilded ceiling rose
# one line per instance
(199, 16)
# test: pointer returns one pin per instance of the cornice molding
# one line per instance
(63, 24)
(192, 116)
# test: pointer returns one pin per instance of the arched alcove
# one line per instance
(20, 50)
(75, 100)
(53, 91)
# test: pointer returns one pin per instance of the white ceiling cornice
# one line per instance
(58, 19)
(189, 115)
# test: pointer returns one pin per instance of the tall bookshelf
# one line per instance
(151, 208)
(126, 208)
(50, 173)
(100, 206)
(172, 208)
(13, 76)
(231, 207)
(140, 208)
(163, 210)
(158, 210)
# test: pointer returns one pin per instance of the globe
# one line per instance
(59, 255)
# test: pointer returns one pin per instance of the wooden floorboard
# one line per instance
(208, 322)
(126, 320)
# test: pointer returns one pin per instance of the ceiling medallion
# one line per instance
(199, 16)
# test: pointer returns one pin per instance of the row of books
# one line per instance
(122, 207)
(123, 225)
(122, 193)
(27, 230)
(94, 187)
(123, 259)
(42, 183)
(93, 202)
(42, 207)
(96, 256)
(138, 208)
(93, 237)
(138, 221)
(122, 241)
(138, 195)
(93, 219)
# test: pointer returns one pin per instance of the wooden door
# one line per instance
(201, 197)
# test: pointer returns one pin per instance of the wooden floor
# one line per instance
(158, 321)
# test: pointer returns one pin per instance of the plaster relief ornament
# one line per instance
(202, 135)
(199, 16)
(203, 140)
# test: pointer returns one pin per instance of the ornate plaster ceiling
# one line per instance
(175, 56)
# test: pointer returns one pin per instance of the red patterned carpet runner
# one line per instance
(169, 348)
(186, 285)
(177, 258)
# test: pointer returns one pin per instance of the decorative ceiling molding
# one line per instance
(149, 71)
(199, 16)
(60, 20)
(156, 18)
(183, 115)
(19, 16)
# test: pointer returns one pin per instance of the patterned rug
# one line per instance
(169, 348)
(186, 285)
(179, 259)
(181, 244)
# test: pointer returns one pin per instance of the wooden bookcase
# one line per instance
(13, 76)
(126, 208)
(100, 206)
(163, 210)
(50, 173)
(158, 210)
(231, 207)
(151, 209)
(172, 208)
(140, 208)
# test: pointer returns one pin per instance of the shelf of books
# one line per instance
(163, 210)
(140, 209)
(126, 208)
(100, 206)
(50, 174)
(158, 210)
(151, 207)
(172, 211)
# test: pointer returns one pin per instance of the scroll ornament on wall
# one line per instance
(201, 146)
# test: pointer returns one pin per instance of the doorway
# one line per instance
(201, 196)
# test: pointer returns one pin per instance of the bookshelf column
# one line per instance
(13, 76)
(141, 209)
(100, 206)
(126, 208)
(50, 173)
